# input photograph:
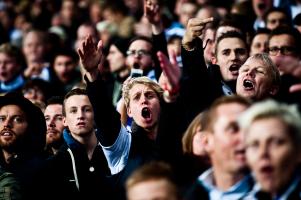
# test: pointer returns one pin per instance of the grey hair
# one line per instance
(288, 114)
(267, 61)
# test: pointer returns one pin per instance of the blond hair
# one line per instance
(128, 85)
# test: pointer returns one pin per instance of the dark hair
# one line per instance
(144, 38)
(55, 100)
(66, 52)
(35, 138)
(231, 34)
(13, 51)
(281, 10)
(44, 86)
(288, 31)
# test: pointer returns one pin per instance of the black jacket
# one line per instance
(74, 176)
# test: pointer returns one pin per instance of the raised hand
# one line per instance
(170, 77)
(152, 13)
(90, 56)
(290, 65)
(194, 29)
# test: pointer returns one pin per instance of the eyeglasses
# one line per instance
(285, 50)
(139, 53)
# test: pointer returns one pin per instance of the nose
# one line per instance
(251, 73)
(7, 123)
(263, 151)
(143, 99)
(51, 123)
(80, 114)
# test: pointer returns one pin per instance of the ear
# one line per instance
(214, 60)
(64, 122)
(129, 112)
(274, 90)
(207, 141)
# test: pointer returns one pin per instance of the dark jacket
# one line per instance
(28, 163)
(142, 148)
(74, 176)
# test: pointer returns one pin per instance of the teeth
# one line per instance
(248, 84)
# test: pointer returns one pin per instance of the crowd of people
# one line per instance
(150, 99)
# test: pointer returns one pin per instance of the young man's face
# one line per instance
(231, 54)
(144, 106)
(79, 116)
(33, 47)
(64, 66)
(13, 126)
(225, 145)
(54, 121)
(151, 189)
(259, 43)
(116, 59)
(276, 19)
(271, 153)
(9, 67)
(144, 59)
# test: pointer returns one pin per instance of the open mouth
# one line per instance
(248, 84)
(234, 68)
(6, 133)
(145, 113)
(267, 170)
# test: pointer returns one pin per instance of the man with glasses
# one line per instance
(139, 56)
(284, 49)
(283, 42)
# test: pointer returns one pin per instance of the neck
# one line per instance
(89, 141)
(152, 132)
(224, 181)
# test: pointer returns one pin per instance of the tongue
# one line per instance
(145, 113)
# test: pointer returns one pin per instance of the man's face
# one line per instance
(255, 80)
(33, 47)
(64, 66)
(261, 6)
(187, 11)
(13, 126)
(82, 32)
(9, 67)
(116, 59)
(54, 121)
(79, 116)
(231, 54)
(144, 58)
(144, 106)
(271, 153)
(276, 19)
(225, 144)
(280, 47)
(151, 190)
(259, 43)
